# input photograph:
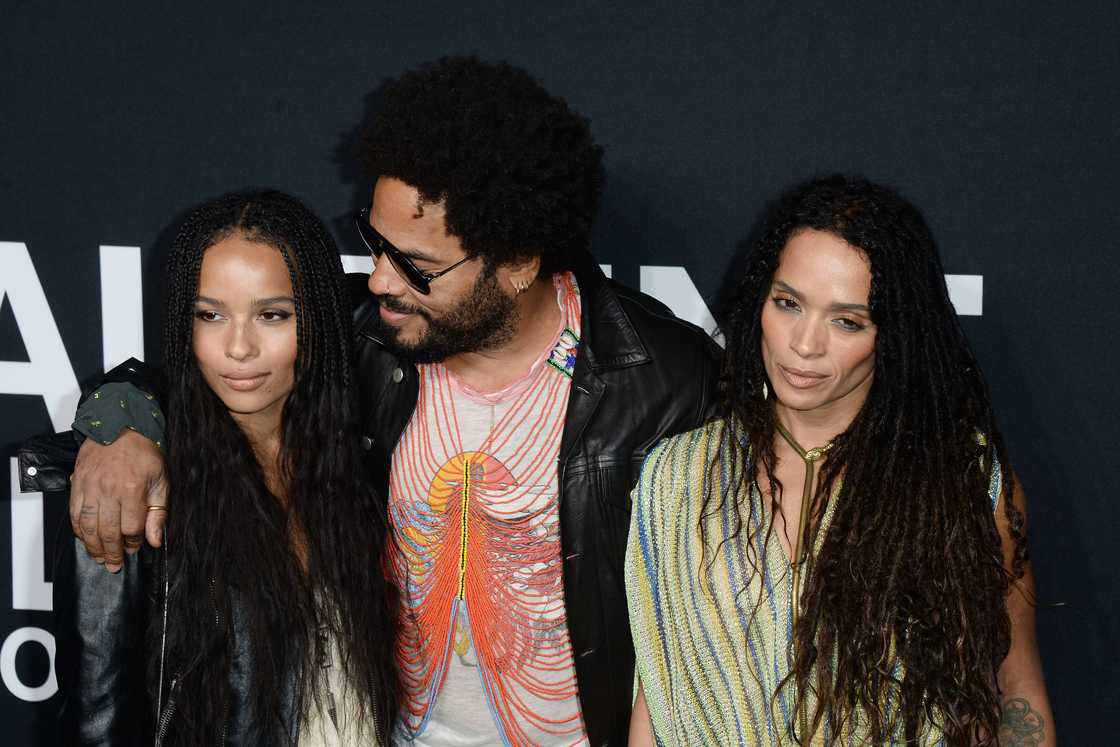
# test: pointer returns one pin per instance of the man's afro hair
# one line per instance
(516, 169)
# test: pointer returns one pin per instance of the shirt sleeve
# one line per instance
(645, 588)
(115, 406)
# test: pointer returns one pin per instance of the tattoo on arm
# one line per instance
(1021, 725)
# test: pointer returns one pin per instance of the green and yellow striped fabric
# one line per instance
(713, 645)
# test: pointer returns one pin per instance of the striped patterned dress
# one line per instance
(713, 647)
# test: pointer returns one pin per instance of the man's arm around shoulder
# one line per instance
(118, 495)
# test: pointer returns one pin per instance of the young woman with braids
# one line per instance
(274, 630)
(841, 557)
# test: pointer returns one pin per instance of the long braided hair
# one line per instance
(910, 576)
(231, 558)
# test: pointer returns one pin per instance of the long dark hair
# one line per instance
(231, 557)
(910, 571)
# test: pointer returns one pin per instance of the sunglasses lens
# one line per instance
(379, 248)
(405, 269)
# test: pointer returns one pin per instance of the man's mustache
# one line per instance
(394, 304)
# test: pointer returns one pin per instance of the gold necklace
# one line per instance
(810, 457)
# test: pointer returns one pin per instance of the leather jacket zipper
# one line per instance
(165, 713)
(376, 722)
(163, 630)
(218, 624)
(168, 711)
(165, 717)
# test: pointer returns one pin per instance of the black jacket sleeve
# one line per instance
(101, 632)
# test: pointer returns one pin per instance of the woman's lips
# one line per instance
(244, 382)
(801, 379)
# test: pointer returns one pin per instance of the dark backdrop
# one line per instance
(1000, 122)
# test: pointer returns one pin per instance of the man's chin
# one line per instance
(411, 347)
(485, 320)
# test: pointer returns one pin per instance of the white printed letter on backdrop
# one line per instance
(47, 372)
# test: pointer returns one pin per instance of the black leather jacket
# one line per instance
(109, 630)
(641, 375)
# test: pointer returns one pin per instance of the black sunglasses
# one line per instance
(377, 244)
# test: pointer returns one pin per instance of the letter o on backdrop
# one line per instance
(8, 653)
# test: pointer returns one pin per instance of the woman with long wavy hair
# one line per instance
(266, 614)
(840, 558)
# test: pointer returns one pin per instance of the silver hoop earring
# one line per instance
(765, 391)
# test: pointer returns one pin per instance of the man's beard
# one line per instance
(485, 319)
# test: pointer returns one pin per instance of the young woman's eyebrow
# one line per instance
(270, 301)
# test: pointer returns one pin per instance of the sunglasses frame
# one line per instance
(377, 244)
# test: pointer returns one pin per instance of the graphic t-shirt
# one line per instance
(473, 500)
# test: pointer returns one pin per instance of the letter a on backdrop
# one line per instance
(47, 372)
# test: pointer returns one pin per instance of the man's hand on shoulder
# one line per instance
(118, 496)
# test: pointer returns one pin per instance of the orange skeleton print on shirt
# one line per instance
(474, 504)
